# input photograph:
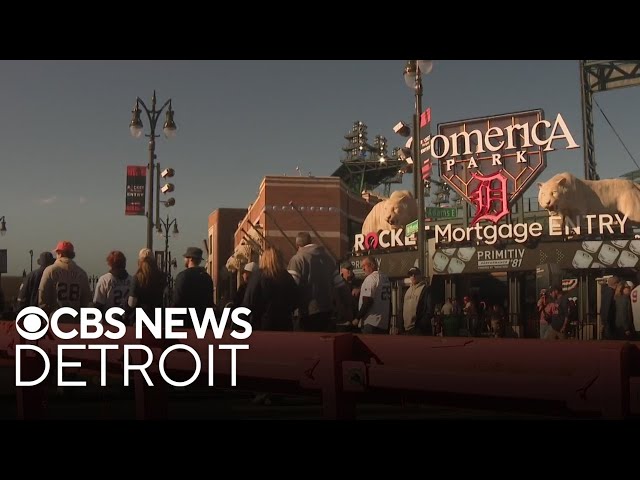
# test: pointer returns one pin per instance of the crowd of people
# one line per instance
(615, 310)
(312, 293)
(558, 313)
(473, 318)
(315, 294)
(60, 282)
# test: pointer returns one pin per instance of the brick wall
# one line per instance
(222, 224)
(323, 202)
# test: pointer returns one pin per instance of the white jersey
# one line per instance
(64, 284)
(112, 291)
(378, 287)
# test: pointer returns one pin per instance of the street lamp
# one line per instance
(93, 280)
(31, 255)
(413, 78)
(3, 230)
(168, 263)
(163, 230)
(136, 131)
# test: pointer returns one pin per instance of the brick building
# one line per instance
(323, 204)
(223, 222)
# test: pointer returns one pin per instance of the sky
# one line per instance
(65, 141)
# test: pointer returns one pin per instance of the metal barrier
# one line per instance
(600, 378)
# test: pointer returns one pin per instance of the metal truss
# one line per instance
(600, 76)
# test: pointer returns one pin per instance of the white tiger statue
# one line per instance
(566, 195)
(242, 255)
(393, 213)
(246, 251)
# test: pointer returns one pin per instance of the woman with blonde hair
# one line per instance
(271, 294)
(147, 287)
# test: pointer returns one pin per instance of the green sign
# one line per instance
(438, 212)
(411, 228)
(431, 212)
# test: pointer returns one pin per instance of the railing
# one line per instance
(601, 378)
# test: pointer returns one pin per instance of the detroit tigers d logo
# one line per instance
(490, 198)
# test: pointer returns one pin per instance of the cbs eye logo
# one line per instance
(32, 323)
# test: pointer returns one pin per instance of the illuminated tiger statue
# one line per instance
(568, 196)
(391, 214)
(246, 251)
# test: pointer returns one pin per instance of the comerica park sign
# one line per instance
(491, 161)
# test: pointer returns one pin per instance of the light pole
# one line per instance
(3, 231)
(163, 229)
(93, 280)
(136, 130)
(31, 255)
(413, 78)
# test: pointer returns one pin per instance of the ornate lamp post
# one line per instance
(163, 229)
(3, 231)
(136, 130)
(413, 78)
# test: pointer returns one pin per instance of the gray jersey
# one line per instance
(112, 291)
(63, 284)
(317, 275)
(378, 287)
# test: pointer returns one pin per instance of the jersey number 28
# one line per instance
(68, 291)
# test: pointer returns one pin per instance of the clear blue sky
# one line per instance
(65, 142)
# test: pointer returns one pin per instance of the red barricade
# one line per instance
(599, 377)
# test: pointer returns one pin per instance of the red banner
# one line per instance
(425, 144)
(136, 188)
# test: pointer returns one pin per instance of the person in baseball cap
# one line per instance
(347, 265)
(65, 247)
(417, 309)
(348, 275)
(414, 271)
(247, 272)
(64, 283)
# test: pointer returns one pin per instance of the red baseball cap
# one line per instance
(64, 246)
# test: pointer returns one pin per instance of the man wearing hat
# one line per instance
(347, 308)
(417, 309)
(64, 283)
(193, 287)
(28, 293)
(346, 271)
